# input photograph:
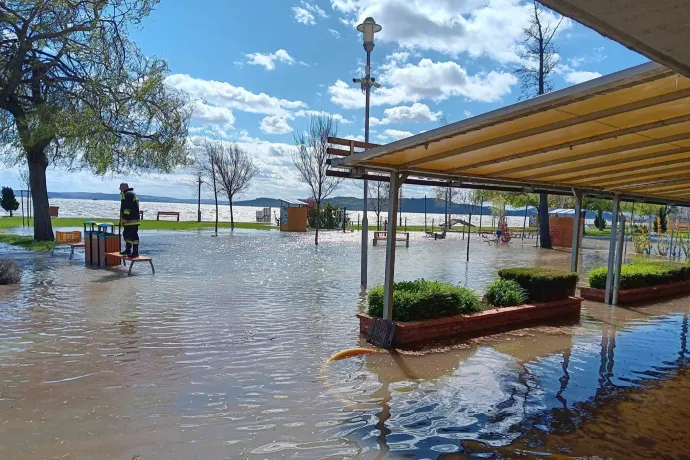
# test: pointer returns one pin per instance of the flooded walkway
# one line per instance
(220, 355)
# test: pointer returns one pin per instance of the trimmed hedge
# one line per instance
(642, 275)
(505, 293)
(421, 299)
(540, 284)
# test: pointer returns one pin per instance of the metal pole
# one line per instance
(344, 218)
(481, 214)
(524, 222)
(198, 208)
(619, 259)
(425, 213)
(576, 232)
(468, 237)
(365, 207)
(390, 247)
(612, 248)
(22, 194)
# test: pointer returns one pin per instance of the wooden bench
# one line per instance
(168, 213)
(399, 236)
(71, 239)
(132, 260)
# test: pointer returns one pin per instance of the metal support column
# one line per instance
(576, 231)
(619, 258)
(396, 182)
(612, 248)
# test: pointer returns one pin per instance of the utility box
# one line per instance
(293, 216)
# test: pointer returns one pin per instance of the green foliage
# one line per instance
(641, 242)
(505, 293)
(661, 221)
(9, 201)
(421, 299)
(600, 222)
(331, 216)
(540, 284)
(643, 274)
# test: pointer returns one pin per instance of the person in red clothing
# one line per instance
(129, 218)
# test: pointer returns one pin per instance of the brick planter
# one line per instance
(483, 323)
(637, 295)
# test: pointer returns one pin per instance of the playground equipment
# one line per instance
(264, 216)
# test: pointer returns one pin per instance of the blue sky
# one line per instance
(257, 71)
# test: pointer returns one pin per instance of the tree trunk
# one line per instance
(318, 222)
(38, 163)
(232, 217)
(602, 224)
(544, 235)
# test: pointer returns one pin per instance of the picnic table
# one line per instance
(399, 236)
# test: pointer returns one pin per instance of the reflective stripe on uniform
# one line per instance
(131, 223)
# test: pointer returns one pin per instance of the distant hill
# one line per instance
(414, 205)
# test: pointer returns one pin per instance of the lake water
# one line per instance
(221, 354)
(188, 211)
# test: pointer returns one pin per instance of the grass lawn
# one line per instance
(14, 222)
(597, 232)
(26, 242)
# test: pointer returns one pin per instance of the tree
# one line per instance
(9, 201)
(76, 92)
(234, 171)
(207, 163)
(378, 198)
(311, 161)
(539, 57)
(599, 206)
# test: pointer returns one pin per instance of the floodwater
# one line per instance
(221, 354)
(188, 211)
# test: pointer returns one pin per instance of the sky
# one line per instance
(257, 71)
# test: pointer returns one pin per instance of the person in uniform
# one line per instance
(129, 219)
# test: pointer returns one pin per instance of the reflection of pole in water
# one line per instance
(383, 416)
(683, 340)
(564, 379)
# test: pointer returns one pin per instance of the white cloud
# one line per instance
(223, 94)
(306, 14)
(394, 134)
(335, 33)
(319, 113)
(476, 27)
(268, 60)
(427, 80)
(212, 114)
(415, 113)
(303, 16)
(467, 113)
(275, 124)
(580, 76)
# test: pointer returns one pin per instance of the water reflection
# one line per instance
(220, 355)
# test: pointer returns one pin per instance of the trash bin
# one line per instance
(111, 243)
(53, 210)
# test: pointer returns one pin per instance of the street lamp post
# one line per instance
(368, 29)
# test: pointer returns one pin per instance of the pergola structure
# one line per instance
(625, 136)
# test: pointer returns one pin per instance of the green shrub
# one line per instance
(505, 293)
(542, 285)
(643, 274)
(421, 299)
